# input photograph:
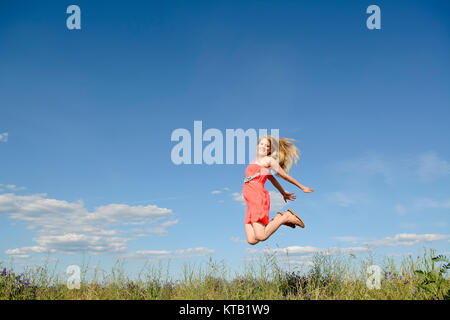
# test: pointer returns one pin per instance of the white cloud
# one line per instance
(68, 227)
(369, 164)
(4, 137)
(13, 187)
(238, 197)
(142, 255)
(427, 166)
(347, 239)
(342, 199)
(427, 203)
(441, 224)
(114, 213)
(400, 209)
(237, 240)
(157, 230)
(169, 223)
(216, 192)
(25, 252)
(430, 167)
(406, 239)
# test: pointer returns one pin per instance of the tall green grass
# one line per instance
(330, 277)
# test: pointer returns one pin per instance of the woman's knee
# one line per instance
(260, 237)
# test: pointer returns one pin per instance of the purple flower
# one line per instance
(308, 296)
(4, 272)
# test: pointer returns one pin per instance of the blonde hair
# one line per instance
(282, 150)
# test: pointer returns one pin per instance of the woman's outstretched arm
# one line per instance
(276, 167)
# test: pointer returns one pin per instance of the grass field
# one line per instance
(330, 277)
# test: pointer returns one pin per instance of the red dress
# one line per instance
(256, 197)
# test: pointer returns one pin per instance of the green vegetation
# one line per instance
(330, 277)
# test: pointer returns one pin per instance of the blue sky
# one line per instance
(87, 116)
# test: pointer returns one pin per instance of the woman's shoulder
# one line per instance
(265, 161)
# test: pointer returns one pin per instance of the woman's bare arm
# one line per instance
(276, 167)
(276, 184)
(286, 195)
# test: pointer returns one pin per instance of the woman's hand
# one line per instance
(307, 190)
(288, 196)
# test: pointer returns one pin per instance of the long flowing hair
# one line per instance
(282, 150)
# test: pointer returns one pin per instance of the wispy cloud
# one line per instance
(159, 230)
(237, 240)
(238, 197)
(4, 137)
(169, 223)
(427, 203)
(400, 209)
(427, 166)
(144, 255)
(431, 167)
(369, 164)
(12, 187)
(406, 239)
(351, 239)
(347, 199)
(219, 191)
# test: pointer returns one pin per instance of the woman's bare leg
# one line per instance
(263, 232)
(250, 234)
(257, 232)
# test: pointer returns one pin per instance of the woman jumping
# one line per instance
(275, 154)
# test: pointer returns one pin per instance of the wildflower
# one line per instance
(4, 272)
(308, 296)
